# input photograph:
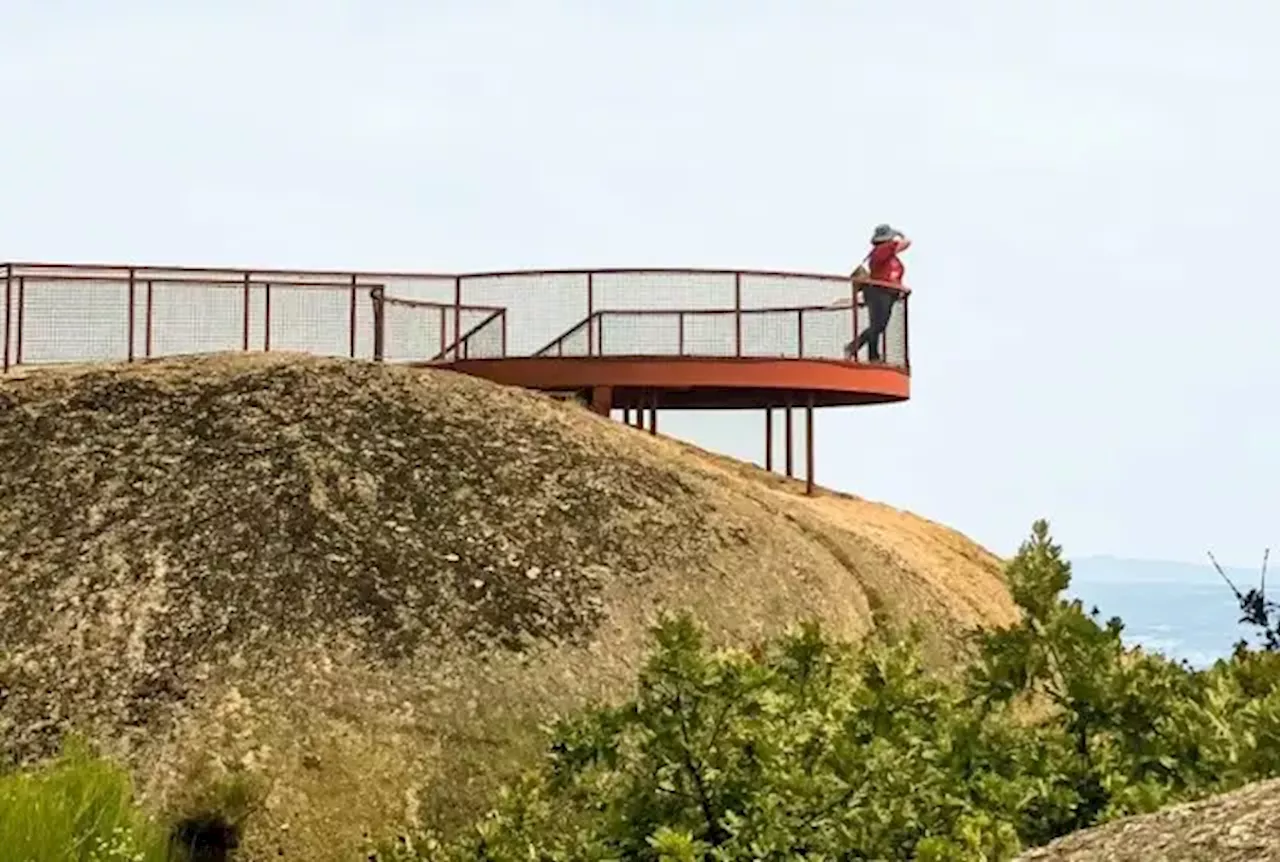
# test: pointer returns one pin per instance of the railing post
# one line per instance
(906, 335)
(808, 446)
(379, 311)
(853, 310)
(800, 334)
(737, 314)
(352, 324)
(22, 318)
(591, 309)
(680, 344)
(789, 440)
(768, 439)
(244, 340)
(146, 334)
(132, 314)
(8, 304)
(444, 334)
(457, 316)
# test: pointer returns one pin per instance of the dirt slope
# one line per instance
(1243, 826)
(361, 584)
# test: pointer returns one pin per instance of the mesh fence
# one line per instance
(579, 341)
(79, 314)
(197, 317)
(421, 331)
(810, 333)
(540, 307)
(415, 331)
(311, 319)
(71, 320)
(663, 291)
(769, 290)
(486, 339)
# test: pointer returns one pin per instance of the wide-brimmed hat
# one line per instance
(883, 233)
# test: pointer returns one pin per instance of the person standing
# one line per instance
(882, 286)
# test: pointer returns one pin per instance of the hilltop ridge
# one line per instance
(312, 570)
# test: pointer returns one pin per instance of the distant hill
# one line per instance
(365, 585)
(1112, 569)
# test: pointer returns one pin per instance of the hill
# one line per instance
(1243, 826)
(360, 586)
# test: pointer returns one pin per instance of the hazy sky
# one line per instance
(1090, 186)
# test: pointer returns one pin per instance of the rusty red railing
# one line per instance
(95, 312)
(803, 332)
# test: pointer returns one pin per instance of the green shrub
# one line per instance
(812, 749)
(76, 808)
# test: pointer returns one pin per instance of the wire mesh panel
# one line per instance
(582, 340)
(193, 317)
(486, 339)
(626, 333)
(711, 334)
(662, 291)
(70, 320)
(825, 332)
(771, 334)
(310, 318)
(541, 307)
(441, 289)
(769, 290)
(415, 331)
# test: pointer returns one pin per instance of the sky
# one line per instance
(1088, 185)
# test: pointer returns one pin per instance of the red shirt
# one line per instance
(884, 263)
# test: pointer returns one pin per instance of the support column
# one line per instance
(788, 437)
(768, 439)
(602, 400)
(808, 446)
(653, 413)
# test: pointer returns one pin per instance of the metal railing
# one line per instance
(56, 313)
(805, 332)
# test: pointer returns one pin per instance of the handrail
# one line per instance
(681, 314)
(459, 346)
(20, 268)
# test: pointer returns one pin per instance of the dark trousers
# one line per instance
(879, 309)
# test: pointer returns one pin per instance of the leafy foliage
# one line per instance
(807, 748)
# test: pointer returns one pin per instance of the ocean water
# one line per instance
(1182, 610)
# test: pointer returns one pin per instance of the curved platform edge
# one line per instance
(699, 383)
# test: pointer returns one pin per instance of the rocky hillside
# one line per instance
(360, 586)
(1243, 826)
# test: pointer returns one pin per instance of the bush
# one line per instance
(76, 808)
(806, 748)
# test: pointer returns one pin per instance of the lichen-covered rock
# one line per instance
(365, 583)
(1242, 826)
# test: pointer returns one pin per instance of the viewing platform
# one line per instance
(634, 340)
